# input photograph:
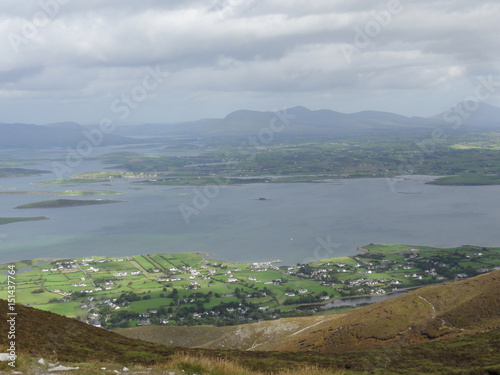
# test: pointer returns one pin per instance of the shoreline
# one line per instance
(205, 254)
(333, 300)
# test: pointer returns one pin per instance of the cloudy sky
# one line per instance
(172, 60)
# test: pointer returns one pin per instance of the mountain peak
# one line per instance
(65, 125)
(298, 110)
(471, 112)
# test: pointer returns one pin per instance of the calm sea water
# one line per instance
(297, 222)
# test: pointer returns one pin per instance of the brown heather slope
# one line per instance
(431, 313)
(44, 334)
(257, 336)
(186, 337)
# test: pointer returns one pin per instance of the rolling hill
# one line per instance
(296, 121)
(473, 115)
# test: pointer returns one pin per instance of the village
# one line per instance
(189, 289)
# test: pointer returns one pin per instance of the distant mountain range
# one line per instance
(296, 121)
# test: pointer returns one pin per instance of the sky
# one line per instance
(167, 61)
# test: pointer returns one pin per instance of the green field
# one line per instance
(143, 262)
(70, 309)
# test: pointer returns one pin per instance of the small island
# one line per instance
(75, 193)
(8, 220)
(20, 172)
(73, 181)
(59, 203)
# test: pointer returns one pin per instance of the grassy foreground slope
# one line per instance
(256, 336)
(434, 312)
(44, 334)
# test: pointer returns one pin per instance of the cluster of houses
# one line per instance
(146, 318)
(61, 266)
(94, 318)
(125, 273)
(327, 274)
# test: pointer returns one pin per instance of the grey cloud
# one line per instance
(13, 76)
(92, 49)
